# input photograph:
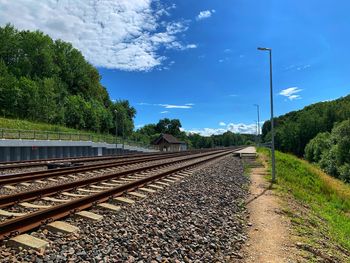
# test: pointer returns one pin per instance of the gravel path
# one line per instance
(201, 219)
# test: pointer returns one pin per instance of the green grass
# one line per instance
(9, 129)
(325, 201)
(28, 125)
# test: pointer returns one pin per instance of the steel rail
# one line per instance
(43, 162)
(8, 200)
(36, 175)
(28, 222)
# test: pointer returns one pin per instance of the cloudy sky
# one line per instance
(197, 60)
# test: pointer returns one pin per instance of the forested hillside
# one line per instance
(320, 132)
(50, 81)
(295, 129)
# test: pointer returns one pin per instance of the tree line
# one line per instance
(319, 132)
(150, 132)
(50, 81)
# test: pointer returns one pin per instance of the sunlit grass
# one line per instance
(327, 197)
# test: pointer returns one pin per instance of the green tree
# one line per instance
(317, 146)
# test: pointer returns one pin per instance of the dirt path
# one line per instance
(269, 239)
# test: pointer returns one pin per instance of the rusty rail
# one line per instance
(35, 219)
(34, 194)
(37, 175)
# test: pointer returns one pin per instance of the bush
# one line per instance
(344, 172)
(328, 161)
(317, 146)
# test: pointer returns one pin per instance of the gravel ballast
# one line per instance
(199, 219)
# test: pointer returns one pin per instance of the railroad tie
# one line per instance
(47, 198)
(124, 200)
(109, 206)
(89, 216)
(110, 184)
(28, 242)
(52, 180)
(137, 194)
(10, 187)
(155, 186)
(147, 190)
(73, 195)
(39, 182)
(29, 205)
(24, 184)
(88, 190)
(10, 214)
(161, 183)
(100, 187)
(61, 227)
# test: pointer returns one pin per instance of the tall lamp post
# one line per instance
(272, 124)
(258, 133)
(116, 131)
(123, 126)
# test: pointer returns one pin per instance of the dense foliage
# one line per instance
(332, 151)
(150, 132)
(294, 130)
(320, 132)
(50, 81)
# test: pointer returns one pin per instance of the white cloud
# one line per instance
(172, 106)
(123, 34)
(164, 112)
(168, 106)
(221, 123)
(235, 128)
(191, 46)
(205, 14)
(291, 93)
(297, 67)
(303, 67)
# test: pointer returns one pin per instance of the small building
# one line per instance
(168, 143)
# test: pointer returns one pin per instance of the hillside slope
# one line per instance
(295, 129)
(50, 81)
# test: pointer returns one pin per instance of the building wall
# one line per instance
(19, 150)
(168, 147)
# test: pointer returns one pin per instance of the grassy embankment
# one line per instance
(318, 206)
(49, 131)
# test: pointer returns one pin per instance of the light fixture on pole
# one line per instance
(272, 124)
(116, 131)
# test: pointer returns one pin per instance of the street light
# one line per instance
(257, 107)
(116, 131)
(272, 124)
(123, 127)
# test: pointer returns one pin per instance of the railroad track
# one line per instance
(45, 162)
(12, 179)
(59, 201)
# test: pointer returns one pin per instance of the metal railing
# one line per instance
(67, 136)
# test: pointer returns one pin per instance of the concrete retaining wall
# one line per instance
(18, 150)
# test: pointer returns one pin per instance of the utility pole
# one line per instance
(272, 124)
(116, 131)
(123, 127)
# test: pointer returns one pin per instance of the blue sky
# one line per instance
(197, 60)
